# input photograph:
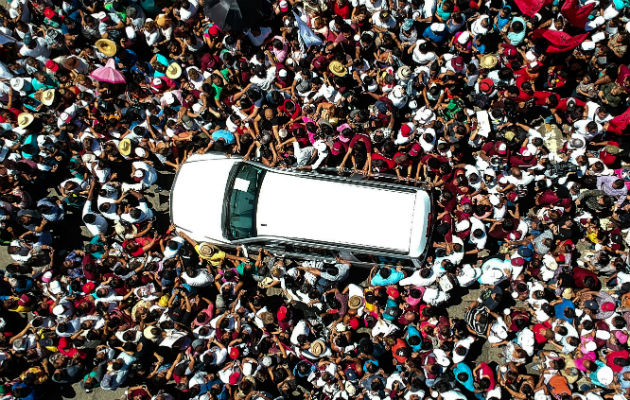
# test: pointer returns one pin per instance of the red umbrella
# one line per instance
(108, 73)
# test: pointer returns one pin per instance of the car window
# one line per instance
(241, 211)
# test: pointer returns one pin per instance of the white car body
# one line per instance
(308, 209)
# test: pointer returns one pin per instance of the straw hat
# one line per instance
(317, 347)
(488, 61)
(106, 47)
(174, 71)
(355, 302)
(266, 318)
(205, 249)
(403, 73)
(48, 97)
(25, 119)
(338, 68)
(124, 147)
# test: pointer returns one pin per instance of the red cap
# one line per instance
(49, 13)
(608, 306)
(337, 148)
(24, 300)
(415, 149)
(501, 148)
(282, 313)
(405, 130)
(486, 85)
(234, 353)
(509, 51)
(518, 261)
(393, 292)
(458, 63)
(354, 323)
(234, 378)
(51, 65)
(214, 30)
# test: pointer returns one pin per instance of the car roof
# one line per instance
(336, 212)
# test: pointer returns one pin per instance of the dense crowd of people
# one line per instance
(514, 112)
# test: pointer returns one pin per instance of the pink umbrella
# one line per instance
(108, 73)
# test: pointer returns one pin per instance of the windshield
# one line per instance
(243, 196)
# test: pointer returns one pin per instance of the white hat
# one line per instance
(598, 37)
(588, 45)
(17, 84)
(169, 98)
(283, 73)
(131, 33)
(248, 369)
(502, 147)
(464, 37)
(157, 81)
(320, 146)
(55, 287)
(58, 309)
(462, 225)
(605, 375)
(267, 361)
(438, 27)
(599, 21)
(140, 152)
(603, 335)
(99, 15)
(398, 92)
(590, 346)
(413, 104)
(138, 173)
(494, 199)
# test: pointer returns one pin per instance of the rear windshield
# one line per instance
(243, 198)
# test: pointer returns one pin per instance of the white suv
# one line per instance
(229, 201)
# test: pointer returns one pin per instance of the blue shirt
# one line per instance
(412, 331)
(463, 368)
(393, 278)
(433, 36)
(224, 134)
(560, 307)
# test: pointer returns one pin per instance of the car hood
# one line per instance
(197, 197)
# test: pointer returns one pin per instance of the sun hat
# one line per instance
(338, 68)
(106, 46)
(355, 302)
(205, 249)
(48, 97)
(173, 71)
(25, 119)
(403, 73)
(125, 146)
(317, 347)
(605, 375)
(267, 318)
(488, 61)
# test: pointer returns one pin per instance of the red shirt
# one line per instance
(538, 329)
(610, 359)
(579, 274)
(342, 11)
(541, 97)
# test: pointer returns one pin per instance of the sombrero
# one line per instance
(338, 68)
(488, 61)
(174, 71)
(48, 96)
(106, 47)
(124, 147)
(25, 119)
